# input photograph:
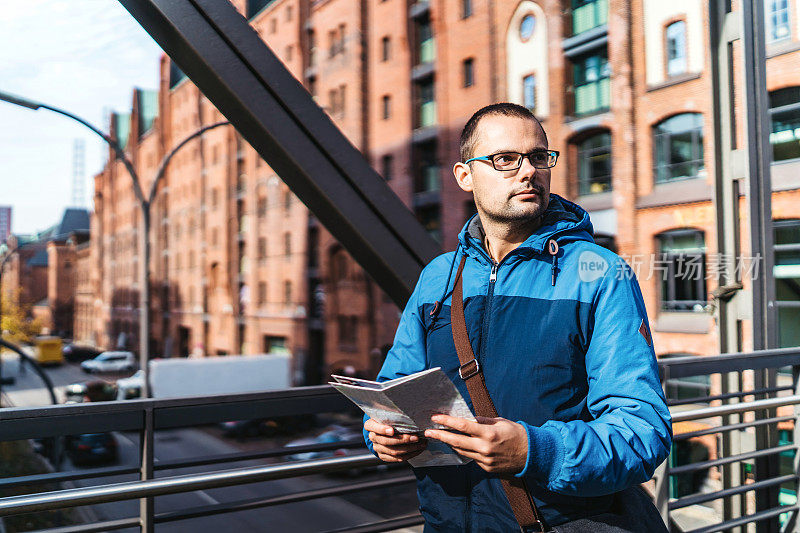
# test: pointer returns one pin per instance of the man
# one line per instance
(560, 330)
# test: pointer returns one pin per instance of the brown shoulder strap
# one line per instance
(470, 371)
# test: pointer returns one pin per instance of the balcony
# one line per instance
(593, 97)
(589, 15)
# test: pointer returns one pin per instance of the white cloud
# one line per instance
(82, 55)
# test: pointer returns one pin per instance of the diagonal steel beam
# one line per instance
(219, 51)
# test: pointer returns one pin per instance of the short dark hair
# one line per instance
(469, 135)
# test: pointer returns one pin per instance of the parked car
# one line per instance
(91, 448)
(130, 388)
(333, 433)
(75, 353)
(110, 362)
(90, 391)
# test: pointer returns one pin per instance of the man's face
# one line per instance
(498, 193)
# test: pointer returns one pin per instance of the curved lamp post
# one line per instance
(144, 204)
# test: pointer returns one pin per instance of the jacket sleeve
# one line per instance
(408, 353)
(631, 433)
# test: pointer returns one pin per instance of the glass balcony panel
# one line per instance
(427, 51)
(589, 15)
(427, 114)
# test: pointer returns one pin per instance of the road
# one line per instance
(312, 516)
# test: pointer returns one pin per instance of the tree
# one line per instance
(17, 324)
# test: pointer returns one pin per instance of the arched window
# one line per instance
(784, 112)
(594, 164)
(681, 267)
(678, 147)
(676, 48)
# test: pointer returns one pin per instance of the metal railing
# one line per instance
(738, 485)
(148, 416)
(736, 415)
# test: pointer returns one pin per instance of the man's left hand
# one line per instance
(496, 444)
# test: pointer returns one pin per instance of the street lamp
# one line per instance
(144, 204)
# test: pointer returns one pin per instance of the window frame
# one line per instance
(685, 57)
(584, 156)
(698, 148)
(668, 302)
(468, 72)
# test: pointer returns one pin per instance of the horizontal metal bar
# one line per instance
(18, 423)
(97, 527)
(731, 427)
(276, 452)
(756, 517)
(59, 477)
(177, 484)
(727, 396)
(702, 365)
(705, 465)
(709, 412)
(694, 499)
(386, 525)
(257, 503)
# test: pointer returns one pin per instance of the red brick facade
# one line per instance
(239, 264)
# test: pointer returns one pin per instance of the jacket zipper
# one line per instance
(487, 312)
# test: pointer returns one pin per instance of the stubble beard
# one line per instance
(508, 216)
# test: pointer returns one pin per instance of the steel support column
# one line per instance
(216, 47)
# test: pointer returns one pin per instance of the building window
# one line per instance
(386, 167)
(594, 164)
(427, 179)
(529, 92)
(287, 244)
(287, 200)
(787, 280)
(336, 97)
(273, 25)
(386, 106)
(469, 72)
(426, 105)
(262, 248)
(255, 6)
(466, 8)
(682, 268)
(261, 207)
(429, 218)
(386, 48)
(588, 14)
(287, 292)
(312, 49)
(592, 88)
(347, 326)
(288, 53)
(426, 50)
(288, 13)
(784, 111)
(678, 146)
(676, 48)
(526, 27)
(776, 13)
(262, 293)
(312, 86)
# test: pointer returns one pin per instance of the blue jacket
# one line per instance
(564, 344)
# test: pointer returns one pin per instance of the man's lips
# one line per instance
(526, 194)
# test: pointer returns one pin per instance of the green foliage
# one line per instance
(17, 325)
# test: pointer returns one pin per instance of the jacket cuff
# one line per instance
(545, 454)
(366, 436)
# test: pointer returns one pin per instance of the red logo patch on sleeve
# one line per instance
(645, 333)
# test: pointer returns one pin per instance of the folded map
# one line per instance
(407, 404)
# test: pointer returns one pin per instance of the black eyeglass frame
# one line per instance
(550, 153)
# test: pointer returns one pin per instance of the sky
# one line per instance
(84, 56)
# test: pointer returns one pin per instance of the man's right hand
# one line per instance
(391, 446)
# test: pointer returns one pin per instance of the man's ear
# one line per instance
(463, 174)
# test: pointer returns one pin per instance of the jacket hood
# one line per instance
(563, 220)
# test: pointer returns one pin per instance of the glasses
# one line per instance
(505, 161)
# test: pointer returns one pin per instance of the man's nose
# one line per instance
(526, 169)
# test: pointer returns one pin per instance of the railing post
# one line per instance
(146, 441)
(793, 524)
(662, 472)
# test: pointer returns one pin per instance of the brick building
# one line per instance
(39, 273)
(621, 86)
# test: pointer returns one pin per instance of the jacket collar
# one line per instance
(562, 220)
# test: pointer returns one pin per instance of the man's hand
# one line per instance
(496, 444)
(391, 446)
